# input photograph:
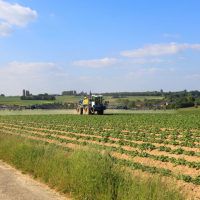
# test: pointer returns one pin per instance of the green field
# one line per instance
(37, 112)
(81, 174)
(15, 100)
(166, 144)
(67, 99)
(73, 111)
(131, 98)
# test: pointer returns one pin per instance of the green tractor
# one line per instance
(91, 105)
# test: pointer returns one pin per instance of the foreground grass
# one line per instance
(84, 174)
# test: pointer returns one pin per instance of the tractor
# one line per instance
(91, 105)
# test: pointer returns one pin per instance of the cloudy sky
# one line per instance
(107, 45)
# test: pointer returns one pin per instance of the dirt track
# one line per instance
(16, 186)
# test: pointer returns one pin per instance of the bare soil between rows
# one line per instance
(191, 191)
(176, 169)
(157, 152)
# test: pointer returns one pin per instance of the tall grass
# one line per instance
(84, 174)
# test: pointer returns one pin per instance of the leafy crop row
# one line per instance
(132, 135)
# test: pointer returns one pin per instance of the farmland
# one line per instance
(15, 100)
(73, 111)
(167, 144)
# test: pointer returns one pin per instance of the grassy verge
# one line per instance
(84, 174)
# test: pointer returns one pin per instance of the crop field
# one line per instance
(15, 100)
(167, 144)
(114, 101)
(73, 111)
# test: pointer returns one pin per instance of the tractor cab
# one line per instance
(96, 100)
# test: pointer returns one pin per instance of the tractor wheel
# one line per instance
(87, 111)
(100, 112)
(92, 111)
(81, 111)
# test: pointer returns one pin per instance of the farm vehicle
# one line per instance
(91, 105)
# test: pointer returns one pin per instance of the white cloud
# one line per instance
(14, 15)
(5, 29)
(193, 76)
(142, 72)
(159, 50)
(171, 36)
(36, 76)
(150, 73)
(146, 60)
(25, 68)
(95, 63)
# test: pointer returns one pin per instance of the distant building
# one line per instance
(27, 93)
(70, 92)
(24, 93)
(28, 96)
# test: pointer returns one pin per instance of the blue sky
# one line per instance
(107, 45)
